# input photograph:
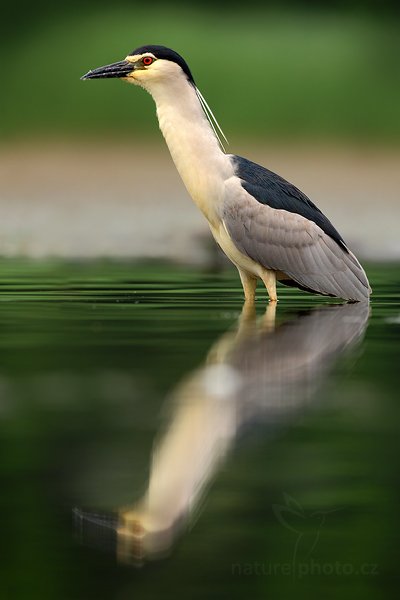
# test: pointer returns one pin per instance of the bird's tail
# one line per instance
(344, 277)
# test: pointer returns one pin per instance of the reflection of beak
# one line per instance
(118, 69)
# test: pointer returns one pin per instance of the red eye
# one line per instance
(148, 60)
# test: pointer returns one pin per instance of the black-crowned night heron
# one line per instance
(267, 227)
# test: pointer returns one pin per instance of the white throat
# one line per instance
(193, 145)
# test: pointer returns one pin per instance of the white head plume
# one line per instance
(211, 119)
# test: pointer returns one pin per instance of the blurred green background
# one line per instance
(268, 69)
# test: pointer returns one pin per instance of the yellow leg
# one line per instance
(249, 284)
(269, 279)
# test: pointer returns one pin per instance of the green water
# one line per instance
(89, 355)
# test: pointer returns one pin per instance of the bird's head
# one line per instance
(162, 72)
(145, 66)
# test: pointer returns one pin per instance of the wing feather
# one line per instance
(289, 242)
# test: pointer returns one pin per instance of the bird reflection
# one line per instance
(257, 373)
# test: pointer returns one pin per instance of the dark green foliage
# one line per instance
(266, 73)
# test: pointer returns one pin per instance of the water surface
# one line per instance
(295, 488)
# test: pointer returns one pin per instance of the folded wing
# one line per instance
(265, 222)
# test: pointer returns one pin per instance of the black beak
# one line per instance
(118, 69)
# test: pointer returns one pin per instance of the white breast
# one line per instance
(195, 150)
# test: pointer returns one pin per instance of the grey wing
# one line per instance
(288, 242)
